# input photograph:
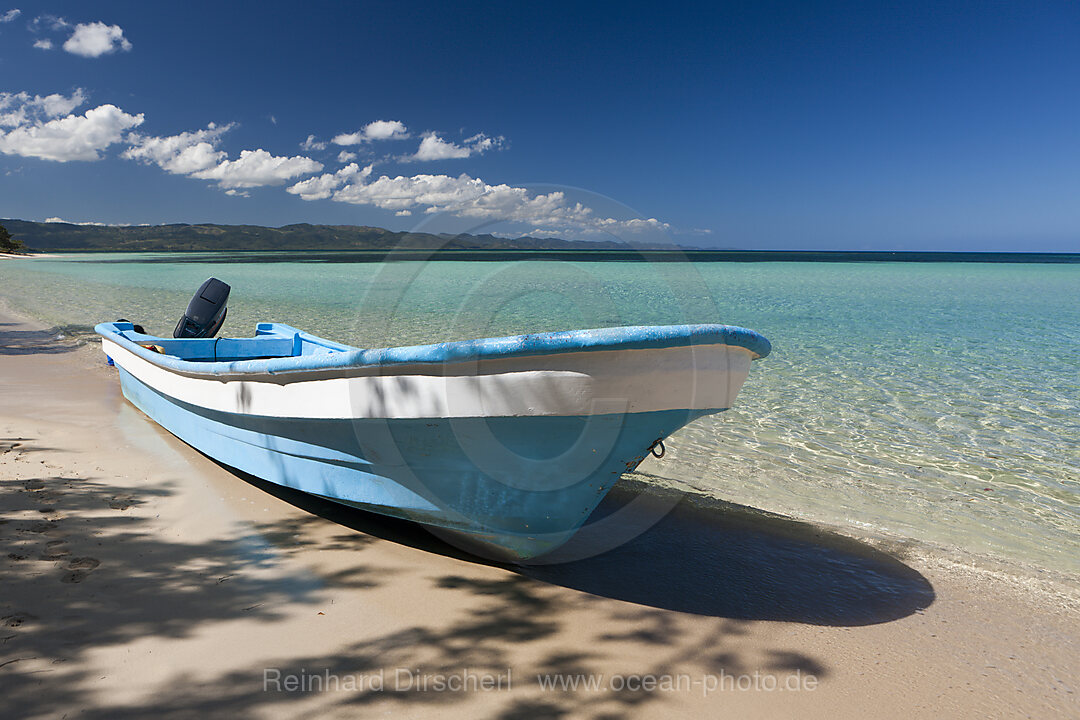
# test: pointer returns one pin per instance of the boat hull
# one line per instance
(429, 478)
(511, 454)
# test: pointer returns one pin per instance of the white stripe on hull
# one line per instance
(703, 377)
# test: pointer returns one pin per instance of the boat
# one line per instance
(509, 443)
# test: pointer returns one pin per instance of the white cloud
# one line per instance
(67, 222)
(196, 155)
(433, 147)
(96, 39)
(43, 44)
(377, 130)
(20, 108)
(321, 187)
(56, 104)
(183, 154)
(468, 197)
(312, 144)
(91, 222)
(385, 130)
(10, 15)
(345, 156)
(75, 137)
(48, 22)
(255, 168)
(481, 143)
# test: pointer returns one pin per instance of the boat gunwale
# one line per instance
(341, 357)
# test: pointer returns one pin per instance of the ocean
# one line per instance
(936, 402)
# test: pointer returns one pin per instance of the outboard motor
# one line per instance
(206, 311)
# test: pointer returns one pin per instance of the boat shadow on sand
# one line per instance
(697, 555)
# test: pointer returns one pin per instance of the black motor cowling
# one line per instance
(206, 311)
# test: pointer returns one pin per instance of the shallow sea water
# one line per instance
(932, 401)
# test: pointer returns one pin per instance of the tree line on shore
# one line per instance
(9, 243)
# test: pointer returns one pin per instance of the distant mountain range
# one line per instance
(42, 236)
(290, 243)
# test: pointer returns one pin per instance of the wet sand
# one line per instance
(140, 578)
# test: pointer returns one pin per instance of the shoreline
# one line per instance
(142, 577)
(637, 255)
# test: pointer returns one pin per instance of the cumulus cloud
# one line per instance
(183, 154)
(345, 156)
(96, 39)
(255, 168)
(40, 131)
(312, 144)
(196, 154)
(385, 130)
(433, 147)
(377, 130)
(43, 44)
(21, 108)
(10, 15)
(321, 187)
(469, 197)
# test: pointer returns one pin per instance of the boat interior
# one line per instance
(272, 340)
(194, 338)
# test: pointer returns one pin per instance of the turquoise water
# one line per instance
(933, 401)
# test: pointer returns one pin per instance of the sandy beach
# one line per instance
(141, 578)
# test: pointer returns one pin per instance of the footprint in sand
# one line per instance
(80, 568)
(55, 550)
(34, 484)
(83, 563)
(121, 502)
(17, 619)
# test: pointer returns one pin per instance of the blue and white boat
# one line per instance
(510, 442)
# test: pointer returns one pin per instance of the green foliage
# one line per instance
(8, 243)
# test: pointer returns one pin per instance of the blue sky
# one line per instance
(753, 125)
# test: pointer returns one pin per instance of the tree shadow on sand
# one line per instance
(719, 566)
(80, 572)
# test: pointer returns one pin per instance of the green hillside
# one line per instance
(205, 238)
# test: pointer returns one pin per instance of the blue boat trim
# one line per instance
(320, 354)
